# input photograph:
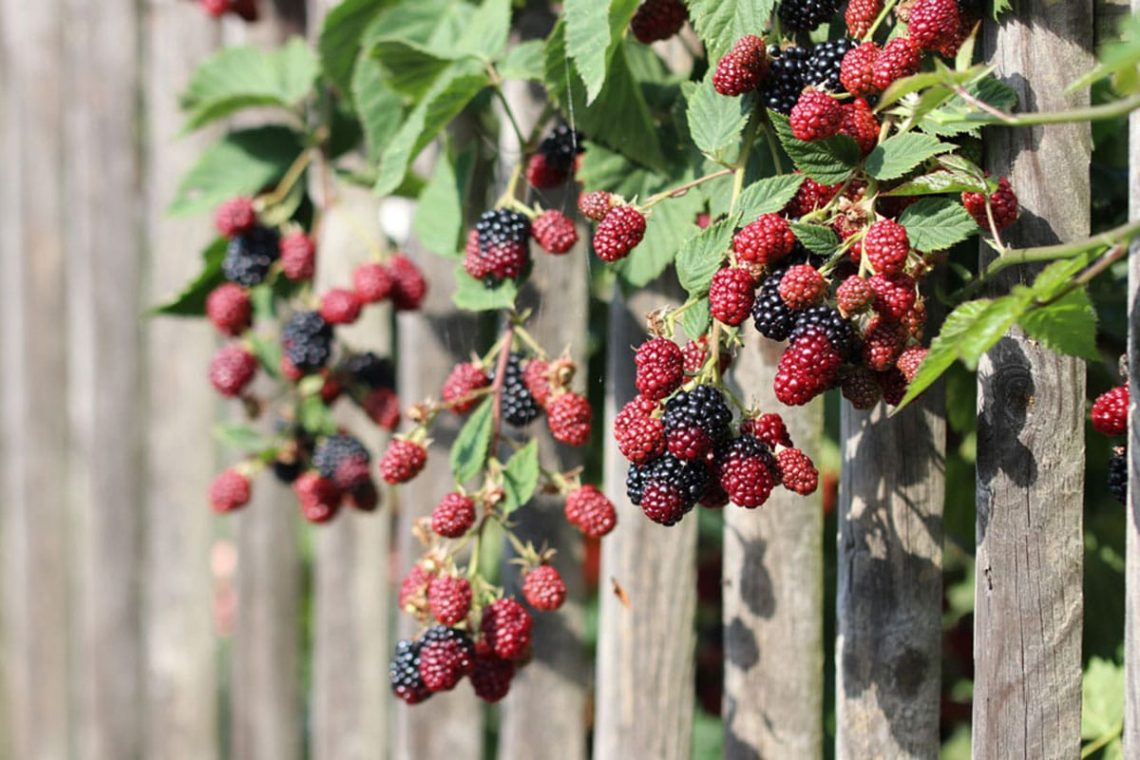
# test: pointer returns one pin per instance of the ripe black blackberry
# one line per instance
(691, 477)
(702, 407)
(250, 254)
(287, 470)
(404, 673)
(807, 15)
(503, 236)
(772, 317)
(786, 72)
(369, 370)
(307, 340)
(561, 147)
(334, 450)
(837, 329)
(519, 407)
(822, 68)
(1118, 475)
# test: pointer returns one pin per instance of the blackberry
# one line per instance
(690, 477)
(773, 318)
(822, 68)
(786, 77)
(334, 450)
(286, 471)
(519, 407)
(807, 15)
(1118, 475)
(502, 237)
(703, 407)
(801, 255)
(250, 254)
(446, 655)
(307, 340)
(369, 370)
(834, 326)
(561, 147)
(404, 673)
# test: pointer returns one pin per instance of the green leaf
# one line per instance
(241, 163)
(409, 68)
(1067, 326)
(670, 225)
(695, 319)
(939, 183)
(524, 61)
(339, 41)
(827, 161)
(1056, 277)
(240, 437)
(472, 295)
(768, 195)
(469, 452)
(438, 219)
(715, 122)
(935, 224)
(485, 35)
(1000, 7)
(315, 416)
(520, 477)
(191, 301)
(593, 28)
(702, 254)
(897, 155)
(268, 353)
(379, 108)
(816, 238)
(242, 77)
(720, 23)
(1102, 703)
(443, 102)
(956, 116)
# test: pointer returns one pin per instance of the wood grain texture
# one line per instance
(33, 371)
(644, 697)
(1132, 523)
(773, 594)
(1029, 605)
(181, 652)
(889, 595)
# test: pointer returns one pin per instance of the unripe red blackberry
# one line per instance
(657, 20)
(660, 368)
(492, 676)
(802, 286)
(408, 284)
(797, 471)
(382, 406)
(808, 367)
(810, 196)
(542, 174)
(882, 344)
(1110, 411)
(232, 369)
(298, 256)
(554, 232)
(886, 247)
(446, 656)
(465, 379)
(696, 353)
(816, 116)
(860, 124)
(1003, 203)
(319, 497)
(899, 58)
(412, 597)
(860, 15)
(235, 216)
(741, 69)
(544, 588)
(404, 673)
(860, 386)
(453, 516)
(450, 599)
(933, 23)
(372, 282)
(853, 295)
(568, 417)
(590, 511)
(745, 471)
(340, 307)
(664, 503)
(402, 461)
(640, 438)
(765, 241)
(595, 205)
(731, 294)
(910, 360)
(619, 233)
(769, 428)
(894, 294)
(229, 309)
(914, 320)
(857, 70)
(506, 627)
(536, 378)
(229, 491)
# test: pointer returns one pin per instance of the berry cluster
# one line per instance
(325, 466)
(1110, 418)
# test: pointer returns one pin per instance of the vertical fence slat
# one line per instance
(773, 596)
(32, 284)
(181, 676)
(889, 594)
(1031, 456)
(1132, 515)
(644, 698)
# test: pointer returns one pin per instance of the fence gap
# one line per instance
(1031, 413)
(773, 595)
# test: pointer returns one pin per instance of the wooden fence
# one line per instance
(118, 584)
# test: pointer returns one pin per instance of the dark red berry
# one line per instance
(660, 368)
(744, 469)
(229, 308)
(449, 597)
(492, 676)
(910, 360)
(414, 589)
(886, 247)
(933, 23)
(235, 216)
(816, 116)
(229, 491)
(595, 205)
(460, 387)
(541, 173)
(408, 284)
(382, 406)
(618, 234)
(1003, 204)
(453, 516)
(298, 256)
(769, 428)
(446, 656)
(860, 386)
(544, 588)
(802, 286)
(554, 232)
(568, 417)
(860, 124)
(402, 461)
(232, 369)
(797, 471)
(506, 628)
(590, 511)
(340, 307)
(743, 68)
(319, 497)
(899, 58)
(731, 294)
(765, 241)
(859, 16)
(853, 295)
(894, 294)
(372, 282)
(1110, 411)
(657, 20)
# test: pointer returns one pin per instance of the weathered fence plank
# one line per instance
(644, 697)
(773, 596)
(181, 657)
(1027, 625)
(1132, 521)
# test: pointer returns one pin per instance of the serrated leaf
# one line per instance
(1054, 278)
(1102, 704)
(671, 224)
(935, 224)
(897, 155)
(378, 107)
(956, 116)
(524, 61)
(593, 29)
(409, 68)
(715, 122)
(472, 295)
(244, 162)
(939, 183)
(191, 300)
(702, 254)
(339, 41)
(1067, 326)
(469, 452)
(1000, 7)
(827, 161)
(485, 35)
(240, 437)
(816, 238)
(315, 416)
(243, 77)
(520, 477)
(720, 23)
(695, 320)
(438, 219)
(900, 88)
(768, 195)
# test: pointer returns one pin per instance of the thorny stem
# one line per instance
(879, 20)
(1088, 113)
(680, 190)
(497, 388)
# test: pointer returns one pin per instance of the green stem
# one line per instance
(529, 340)
(680, 190)
(1090, 749)
(879, 20)
(993, 116)
(770, 138)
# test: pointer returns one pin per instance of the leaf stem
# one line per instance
(497, 388)
(879, 20)
(680, 190)
(993, 116)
